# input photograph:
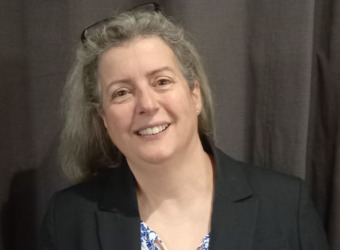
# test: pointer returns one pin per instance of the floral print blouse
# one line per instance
(151, 241)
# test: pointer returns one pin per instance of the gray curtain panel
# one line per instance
(274, 67)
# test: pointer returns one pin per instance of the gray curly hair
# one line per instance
(85, 145)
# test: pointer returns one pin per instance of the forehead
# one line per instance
(144, 50)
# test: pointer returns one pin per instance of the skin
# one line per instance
(143, 88)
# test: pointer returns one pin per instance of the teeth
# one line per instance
(153, 130)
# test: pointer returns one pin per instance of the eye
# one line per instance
(121, 95)
(121, 92)
(163, 83)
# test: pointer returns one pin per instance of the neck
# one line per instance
(177, 182)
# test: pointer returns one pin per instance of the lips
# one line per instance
(153, 130)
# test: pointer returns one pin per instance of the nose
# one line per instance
(147, 102)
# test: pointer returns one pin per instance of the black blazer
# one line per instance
(253, 209)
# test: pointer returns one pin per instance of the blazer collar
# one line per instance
(230, 180)
(120, 192)
(235, 208)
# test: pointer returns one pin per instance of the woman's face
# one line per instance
(148, 109)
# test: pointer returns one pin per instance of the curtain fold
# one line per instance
(323, 166)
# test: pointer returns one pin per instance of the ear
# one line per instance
(102, 115)
(104, 120)
(196, 96)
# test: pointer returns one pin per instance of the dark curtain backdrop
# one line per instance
(274, 67)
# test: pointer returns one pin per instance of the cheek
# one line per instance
(116, 119)
(183, 102)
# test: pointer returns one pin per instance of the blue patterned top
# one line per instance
(150, 240)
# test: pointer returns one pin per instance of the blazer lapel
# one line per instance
(234, 208)
(117, 231)
(118, 217)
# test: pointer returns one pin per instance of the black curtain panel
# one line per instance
(274, 67)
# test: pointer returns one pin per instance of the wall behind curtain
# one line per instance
(273, 66)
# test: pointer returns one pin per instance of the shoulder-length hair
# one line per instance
(85, 145)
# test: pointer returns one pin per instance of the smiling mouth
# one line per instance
(153, 130)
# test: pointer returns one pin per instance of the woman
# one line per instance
(138, 136)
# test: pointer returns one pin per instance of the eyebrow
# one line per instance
(156, 71)
(148, 74)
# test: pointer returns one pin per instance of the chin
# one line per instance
(156, 158)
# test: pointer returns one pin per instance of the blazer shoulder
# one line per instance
(263, 181)
(90, 190)
(271, 180)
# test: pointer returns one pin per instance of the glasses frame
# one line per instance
(145, 7)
